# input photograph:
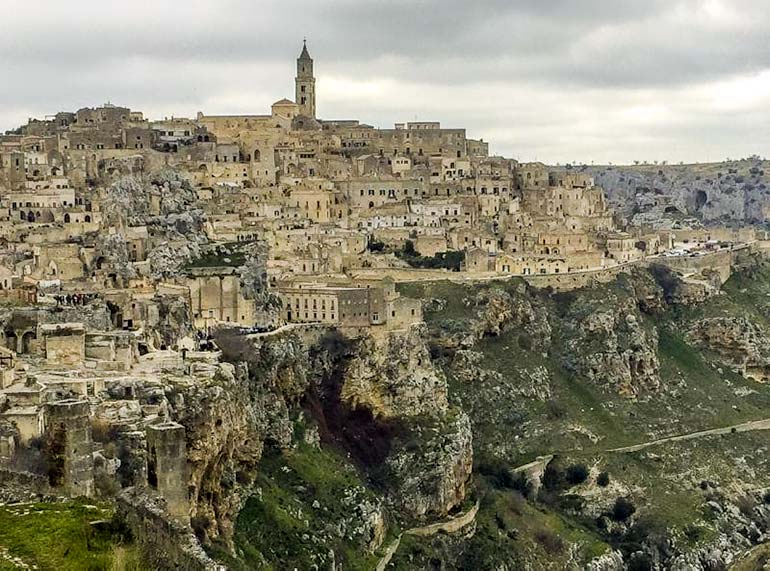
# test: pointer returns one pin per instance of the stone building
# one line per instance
(348, 305)
(304, 93)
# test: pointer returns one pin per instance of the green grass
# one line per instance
(300, 497)
(58, 536)
(509, 530)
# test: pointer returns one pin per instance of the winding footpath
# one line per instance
(447, 526)
(743, 427)
(455, 524)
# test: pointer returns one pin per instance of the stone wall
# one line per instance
(163, 543)
(19, 486)
(69, 427)
(167, 467)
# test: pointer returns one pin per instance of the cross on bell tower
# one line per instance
(304, 83)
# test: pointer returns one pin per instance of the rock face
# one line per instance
(612, 561)
(433, 473)
(232, 411)
(737, 342)
(229, 413)
(662, 195)
(499, 310)
(614, 348)
(164, 203)
(393, 376)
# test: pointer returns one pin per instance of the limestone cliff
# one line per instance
(230, 411)
(233, 412)
(613, 348)
(392, 375)
(736, 342)
(662, 195)
(431, 472)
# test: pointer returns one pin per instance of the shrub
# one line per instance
(200, 525)
(623, 509)
(501, 477)
(525, 342)
(554, 410)
(745, 505)
(106, 485)
(553, 478)
(603, 479)
(522, 484)
(576, 474)
(551, 542)
(100, 430)
(692, 532)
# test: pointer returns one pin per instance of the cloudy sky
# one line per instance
(551, 80)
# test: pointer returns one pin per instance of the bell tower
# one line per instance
(304, 83)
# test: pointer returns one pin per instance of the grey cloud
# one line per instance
(237, 55)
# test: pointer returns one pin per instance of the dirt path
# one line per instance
(447, 526)
(749, 426)
(744, 427)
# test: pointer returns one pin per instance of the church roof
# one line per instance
(304, 54)
(284, 101)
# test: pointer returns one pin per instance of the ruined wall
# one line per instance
(71, 447)
(167, 467)
(164, 544)
(64, 344)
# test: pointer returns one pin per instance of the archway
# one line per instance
(26, 341)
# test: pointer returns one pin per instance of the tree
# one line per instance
(576, 474)
(603, 480)
(623, 509)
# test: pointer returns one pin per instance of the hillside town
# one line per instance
(127, 242)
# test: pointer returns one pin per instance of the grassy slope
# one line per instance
(58, 536)
(274, 527)
(581, 420)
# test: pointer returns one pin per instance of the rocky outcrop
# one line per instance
(393, 376)
(678, 291)
(736, 342)
(665, 195)
(612, 561)
(229, 412)
(499, 310)
(432, 470)
(612, 347)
